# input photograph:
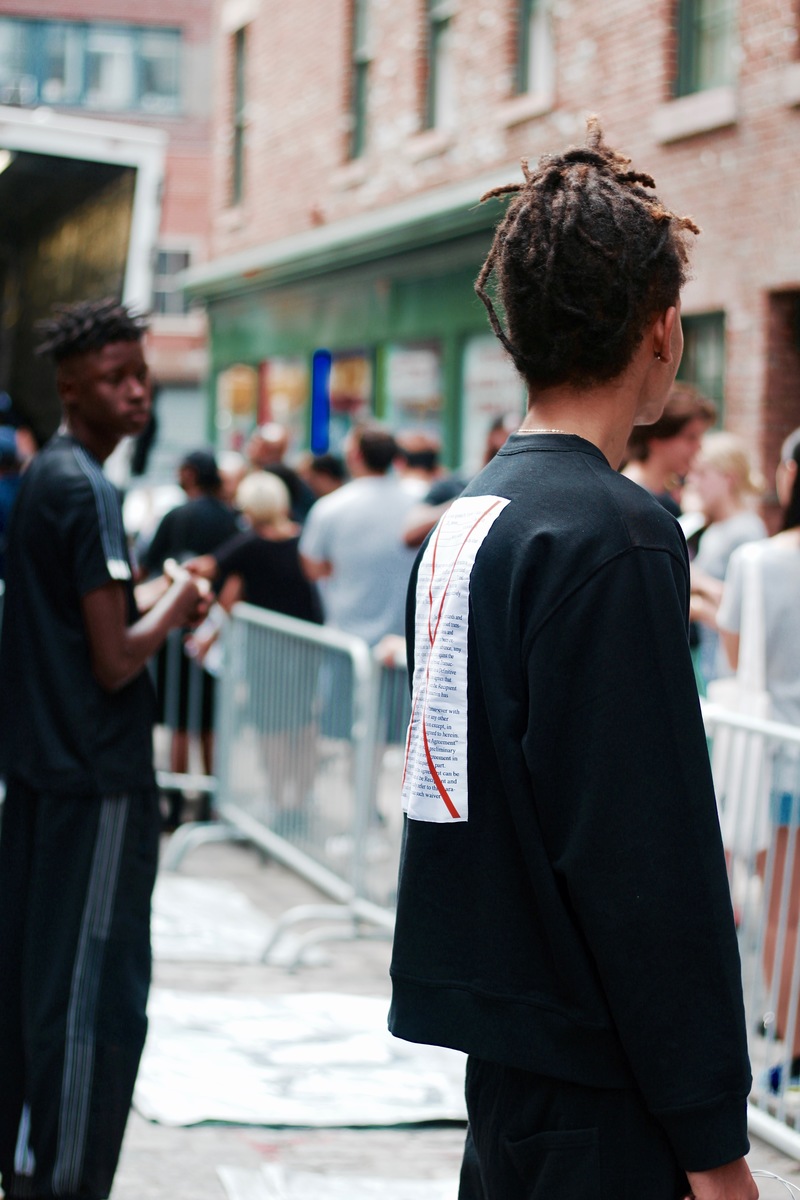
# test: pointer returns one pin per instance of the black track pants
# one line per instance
(532, 1138)
(76, 876)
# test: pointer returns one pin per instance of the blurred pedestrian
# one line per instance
(771, 568)
(324, 473)
(185, 694)
(232, 470)
(419, 461)
(79, 840)
(266, 450)
(351, 543)
(444, 490)
(563, 913)
(660, 456)
(262, 567)
(723, 482)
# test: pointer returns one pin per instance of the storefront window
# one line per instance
(283, 389)
(351, 389)
(237, 405)
(414, 387)
(491, 389)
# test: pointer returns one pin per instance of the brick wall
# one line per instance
(740, 182)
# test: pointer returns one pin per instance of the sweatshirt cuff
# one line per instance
(709, 1136)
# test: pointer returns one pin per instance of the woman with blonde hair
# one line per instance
(724, 483)
(262, 567)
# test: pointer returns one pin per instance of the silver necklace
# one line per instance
(542, 431)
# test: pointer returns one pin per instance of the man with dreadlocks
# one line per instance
(563, 912)
(79, 839)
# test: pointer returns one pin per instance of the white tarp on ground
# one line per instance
(316, 1059)
(278, 1183)
(207, 921)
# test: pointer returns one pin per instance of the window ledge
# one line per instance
(701, 112)
(428, 144)
(525, 107)
(351, 174)
(790, 84)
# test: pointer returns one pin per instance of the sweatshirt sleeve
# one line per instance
(618, 756)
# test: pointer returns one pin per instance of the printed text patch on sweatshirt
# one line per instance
(435, 775)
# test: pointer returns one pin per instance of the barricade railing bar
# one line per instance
(306, 720)
(756, 768)
(186, 698)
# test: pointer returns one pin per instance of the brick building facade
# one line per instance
(353, 138)
(148, 67)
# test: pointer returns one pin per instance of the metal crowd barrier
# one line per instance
(186, 702)
(309, 747)
(756, 767)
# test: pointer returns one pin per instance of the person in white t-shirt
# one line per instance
(352, 541)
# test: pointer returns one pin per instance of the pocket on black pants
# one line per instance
(558, 1164)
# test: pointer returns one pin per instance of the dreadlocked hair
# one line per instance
(584, 258)
(86, 326)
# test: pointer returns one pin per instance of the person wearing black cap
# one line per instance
(197, 527)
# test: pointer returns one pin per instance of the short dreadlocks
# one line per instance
(86, 326)
(584, 258)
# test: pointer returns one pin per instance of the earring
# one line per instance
(658, 356)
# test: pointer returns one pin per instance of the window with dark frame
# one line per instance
(169, 300)
(237, 163)
(706, 35)
(359, 79)
(703, 362)
(438, 89)
(534, 48)
(102, 66)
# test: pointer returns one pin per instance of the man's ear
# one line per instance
(662, 331)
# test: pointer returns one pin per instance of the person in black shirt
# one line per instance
(563, 913)
(197, 527)
(79, 840)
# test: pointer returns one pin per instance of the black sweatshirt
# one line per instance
(563, 904)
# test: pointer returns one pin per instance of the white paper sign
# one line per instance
(435, 776)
